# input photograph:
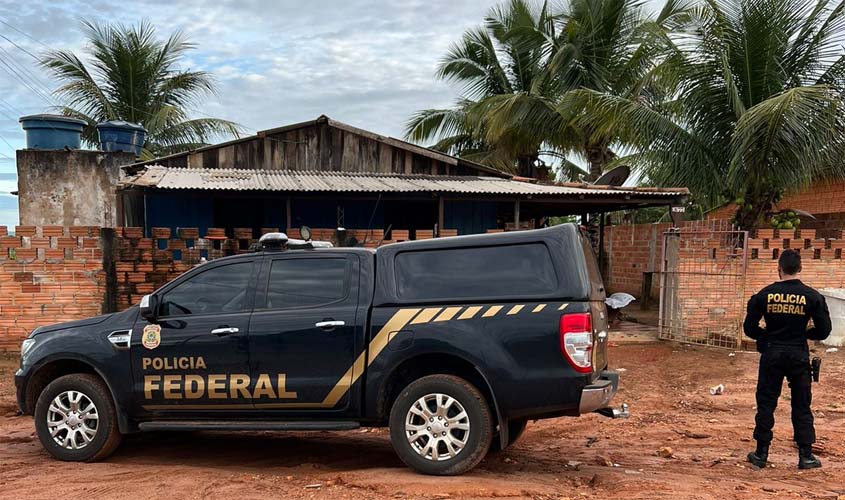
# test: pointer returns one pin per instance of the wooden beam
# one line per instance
(516, 214)
(440, 215)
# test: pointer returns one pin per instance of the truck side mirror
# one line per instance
(149, 305)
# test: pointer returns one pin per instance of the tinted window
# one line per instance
(306, 282)
(219, 289)
(483, 272)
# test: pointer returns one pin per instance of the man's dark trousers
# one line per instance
(775, 364)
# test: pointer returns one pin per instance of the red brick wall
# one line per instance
(630, 251)
(47, 275)
(825, 200)
(826, 197)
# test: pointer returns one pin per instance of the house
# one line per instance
(324, 173)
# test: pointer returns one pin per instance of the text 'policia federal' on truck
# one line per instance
(454, 343)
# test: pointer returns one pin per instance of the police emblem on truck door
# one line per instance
(151, 337)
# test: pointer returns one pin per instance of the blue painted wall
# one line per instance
(204, 210)
(470, 217)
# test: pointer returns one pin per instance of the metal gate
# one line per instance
(702, 286)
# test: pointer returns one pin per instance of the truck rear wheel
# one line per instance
(75, 419)
(441, 425)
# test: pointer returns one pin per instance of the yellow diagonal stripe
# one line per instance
(394, 324)
(539, 308)
(489, 313)
(515, 309)
(470, 312)
(562, 307)
(447, 314)
(426, 315)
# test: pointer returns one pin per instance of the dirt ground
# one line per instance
(665, 385)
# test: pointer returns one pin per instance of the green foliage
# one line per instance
(756, 107)
(516, 74)
(134, 77)
(735, 99)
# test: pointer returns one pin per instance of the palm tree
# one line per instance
(134, 77)
(517, 106)
(757, 108)
(507, 56)
(607, 46)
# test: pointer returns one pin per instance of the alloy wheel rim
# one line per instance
(437, 427)
(72, 420)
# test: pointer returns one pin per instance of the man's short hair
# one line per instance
(790, 261)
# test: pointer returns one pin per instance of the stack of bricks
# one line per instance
(48, 275)
(144, 264)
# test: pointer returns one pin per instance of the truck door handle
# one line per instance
(328, 325)
(223, 331)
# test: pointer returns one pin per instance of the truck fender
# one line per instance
(503, 427)
(124, 425)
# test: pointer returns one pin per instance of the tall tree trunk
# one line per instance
(598, 156)
(525, 165)
(757, 203)
(749, 215)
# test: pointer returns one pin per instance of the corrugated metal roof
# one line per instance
(311, 181)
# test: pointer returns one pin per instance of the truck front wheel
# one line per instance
(75, 419)
(441, 425)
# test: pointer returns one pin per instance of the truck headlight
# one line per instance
(26, 346)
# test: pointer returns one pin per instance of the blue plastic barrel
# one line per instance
(52, 131)
(121, 136)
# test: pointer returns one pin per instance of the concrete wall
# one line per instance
(69, 188)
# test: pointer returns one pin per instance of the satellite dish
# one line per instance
(615, 177)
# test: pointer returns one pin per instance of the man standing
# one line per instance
(787, 306)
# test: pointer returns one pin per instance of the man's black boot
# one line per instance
(760, 456)
(806, 459)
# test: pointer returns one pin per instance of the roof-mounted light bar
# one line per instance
(273, 240)
(280, 241)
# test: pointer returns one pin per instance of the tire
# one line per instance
(467, 441)
(515, 430)
(84, 438)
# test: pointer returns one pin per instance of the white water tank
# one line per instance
(835, 298)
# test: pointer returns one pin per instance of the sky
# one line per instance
(365, 62)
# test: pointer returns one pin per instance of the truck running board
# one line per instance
(247, 425)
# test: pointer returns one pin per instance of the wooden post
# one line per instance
(288, 218)
(601, 243)
(516, 215)
(440, 215)
(109, 247)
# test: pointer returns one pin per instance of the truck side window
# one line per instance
(307, 282)
(220, 289)
(479, 272)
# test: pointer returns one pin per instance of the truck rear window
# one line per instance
(476, 272)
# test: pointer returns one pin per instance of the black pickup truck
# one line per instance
(454, 343)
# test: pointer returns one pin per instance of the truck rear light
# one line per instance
(576, 341)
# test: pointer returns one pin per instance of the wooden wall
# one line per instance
(318, 147)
